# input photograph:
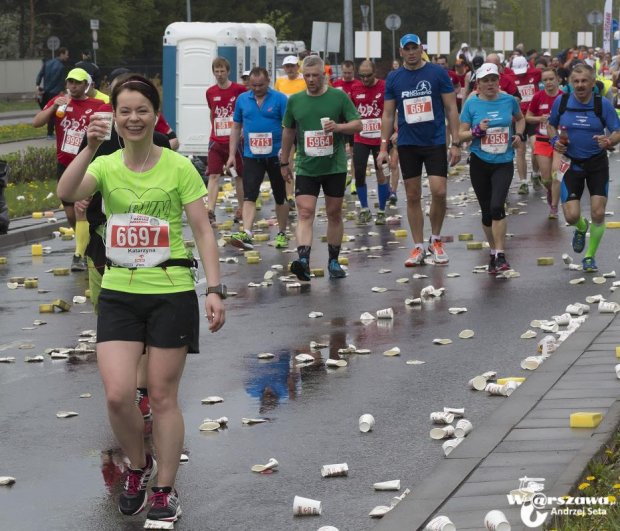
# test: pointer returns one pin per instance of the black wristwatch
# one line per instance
(220, 289)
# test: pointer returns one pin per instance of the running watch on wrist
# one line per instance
(220, 290)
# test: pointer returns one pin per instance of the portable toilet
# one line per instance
(267, 49)
(252, 39)
(189, 48)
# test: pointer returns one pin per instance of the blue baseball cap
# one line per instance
(410, 38)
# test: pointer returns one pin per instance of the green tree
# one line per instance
(279, 21)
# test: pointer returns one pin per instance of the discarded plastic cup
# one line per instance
(336, 470)
(532, 362)
(440, 523)
(306, 506)
(445, 432)
(496, 521)
(324, 121)
(366, 423)
(450, 445)
(441, 417)
(388, 485)
(478, 382)
(463, 428)
(386, 313)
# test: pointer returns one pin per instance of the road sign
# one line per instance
(53, 43)
(94, 24)
(503, 40)
(95, 45)
(549, 40)
(367, 44)
(438, 42)
(94, 35)
(392, 22)
(584, 38)
(595, 18)
(325, 37)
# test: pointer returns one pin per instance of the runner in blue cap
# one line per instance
(424, 97)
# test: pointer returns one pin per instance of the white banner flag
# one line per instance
(607, 27)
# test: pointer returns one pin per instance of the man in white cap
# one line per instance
(293, 81)
(527, 79)
(245, 79)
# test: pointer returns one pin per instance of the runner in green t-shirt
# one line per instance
(320, 116)
(148, 297)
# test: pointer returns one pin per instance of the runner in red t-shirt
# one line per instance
(537, 116)
(526, 78)
(163, 127)
(71, 115)
(347, 83)
(368, 97)
(221, 99)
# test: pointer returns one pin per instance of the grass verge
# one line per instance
(15, 132)
(602, 479)
(36, 196)
(22, 105)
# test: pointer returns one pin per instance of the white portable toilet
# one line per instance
(252, 39)
(267, 49)
(188, 51)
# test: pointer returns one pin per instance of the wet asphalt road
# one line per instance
(66, 478)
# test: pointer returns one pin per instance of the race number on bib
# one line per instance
(496, 140)
(223, 125)
(318, 143)
(137, 240)
(261, 143)
(72, 141)
(371, 128)
(527, 92)
(418, 110)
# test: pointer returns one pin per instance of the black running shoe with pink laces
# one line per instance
(133, 498)
(165, 505)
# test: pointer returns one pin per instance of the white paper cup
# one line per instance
(494, 389)
(478, 383)
(573, 309)
(441, 417)
(496, 521)
(366, 423)
(324, 120)
(306, 506)
(386, 313)
(440, 523)
(387, 485)
(332, 471)
(510, 387)
(463, 428)
(617, 368)
(532, 362)
(567, 259)
(584, 307)
(456, 411)
(450, 445)
(385, 168)
(562, 320)
(233, 172)
(108, 117)
(607, 307)
(445, 432)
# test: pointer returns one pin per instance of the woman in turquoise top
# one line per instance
(493, 122)
(148, 297)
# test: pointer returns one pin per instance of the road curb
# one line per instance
(453, 472)
(30, 234)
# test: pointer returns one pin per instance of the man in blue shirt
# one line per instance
(583, 144)
(52, 74)
(424, 97)
(259, 113)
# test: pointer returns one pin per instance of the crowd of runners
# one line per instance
(126, 191)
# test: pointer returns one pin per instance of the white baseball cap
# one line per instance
(487, 69)
(519, 65)
(290, 60)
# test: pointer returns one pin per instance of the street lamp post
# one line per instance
(365, 9)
